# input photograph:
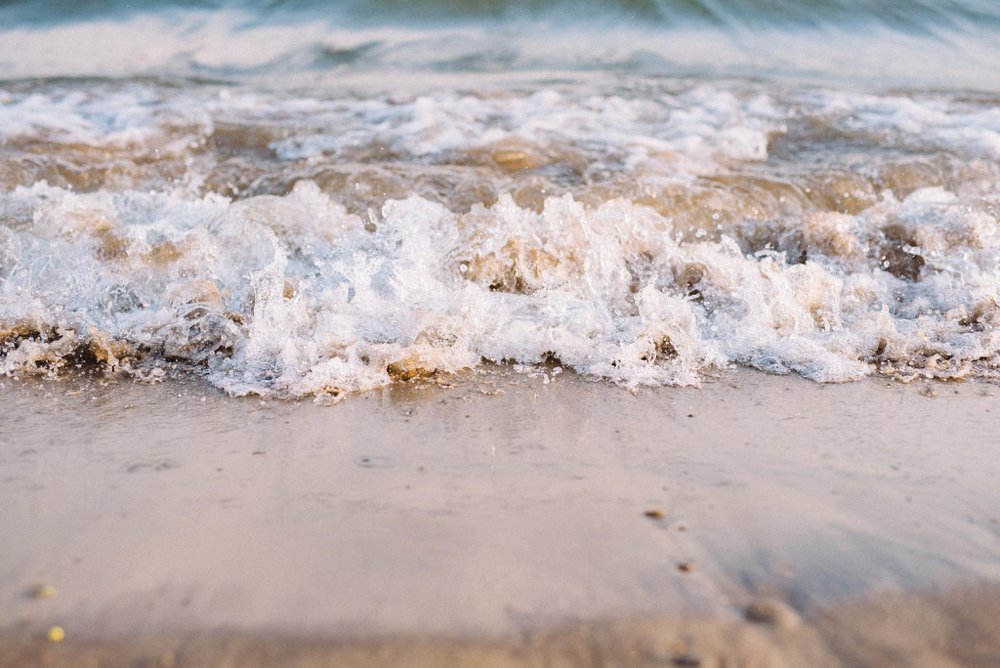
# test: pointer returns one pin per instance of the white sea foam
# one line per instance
(292, 295)
(915, 121)
(631, 232)
(700, 125)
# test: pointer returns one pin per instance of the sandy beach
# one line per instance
(562, 333)
(502, 518)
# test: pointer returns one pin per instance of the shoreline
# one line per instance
(925, 629)
(500, 517)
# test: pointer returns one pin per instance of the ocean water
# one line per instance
(314, 198)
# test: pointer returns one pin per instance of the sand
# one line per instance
(502, 518)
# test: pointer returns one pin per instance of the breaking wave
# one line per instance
(287, 245)
(298, 198)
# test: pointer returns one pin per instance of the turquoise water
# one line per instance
(943, 43)
(918, 15)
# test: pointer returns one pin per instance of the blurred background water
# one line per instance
(951, 43)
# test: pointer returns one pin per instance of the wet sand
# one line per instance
(498, 518)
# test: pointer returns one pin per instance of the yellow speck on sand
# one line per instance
(43, 592)
(56, 634)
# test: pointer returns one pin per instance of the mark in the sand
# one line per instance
(160, 465)
(771, 612)
(684, 656)
(374, 462)
(689, 660)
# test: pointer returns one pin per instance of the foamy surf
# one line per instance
(293, 295)
(286, 230)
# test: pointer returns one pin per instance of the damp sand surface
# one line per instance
(502, 518)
